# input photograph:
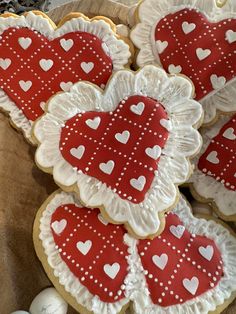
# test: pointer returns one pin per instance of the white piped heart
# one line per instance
(25, 85)
(59, 226)
(93, 123)
(5, 63)
(138, 109)
(206, 252)
(188, 27)
(177, 231)
(25, 42)
(161, 45)
(174, 69)
(230, 36)
(87, 66)
(166, 124)
(160, 261)
(123, 137)
(111, 270)
(191, 285)
(46, 64)
(78, 152)
(84, 247)
(153, 152)
(107, 167)
(217, 82)
(202, 53)
(66, 44)
(229, 134)
(139, 183)
(212, 157)
(66, 86)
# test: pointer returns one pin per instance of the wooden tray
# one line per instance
(24, 188)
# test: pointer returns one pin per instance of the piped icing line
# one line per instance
(211, 240)
(209, 185)
(204, 303)
(60, 270)
(140, 91)
(219, 92)
(115, 49)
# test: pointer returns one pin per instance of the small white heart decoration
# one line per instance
(93, 123)
(206, 252)
(166, 124)
(188, 27)
(153, 152)
(122, 137)
(160, 261)
(139, 183)
(46, 64)
(59, 226)
(107, 167)
(177, 231)
(217, 82)
(230, 36)
(25, 42)
(161, 45)
(66, 44)
(87, 66)
(111, 270)
(5, 63)
(84, 247)
(78, 152)
(212, 157)
(174, 69)
(229, 134)
(65, 86)
(138, 109)
(202, 53)
(25, 85)
(191, 285)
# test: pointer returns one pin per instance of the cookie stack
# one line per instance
(118, 234)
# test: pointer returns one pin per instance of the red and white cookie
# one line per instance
(194, 38)
(189, 268)
(124, 150)
(38, 59)
(214, 177)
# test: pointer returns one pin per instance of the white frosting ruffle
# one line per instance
(150, 12)
(206, 186)
(174, 93)
(118, 50)
(60, 269)
(201, 304)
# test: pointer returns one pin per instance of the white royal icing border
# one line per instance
(203, 303)
(206, 186)
(150, 12)
(61, 270)
(136, 288)
(174, 93)
(118, 51)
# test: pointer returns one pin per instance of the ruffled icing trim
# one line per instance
(207, 187)
(174, 168)
(60, 269)
(117, 49)
(150, 12)
(204, 303)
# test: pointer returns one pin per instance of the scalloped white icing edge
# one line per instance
(174, 167)
(223, 99)
(66, 278)
(118, 51)
(209, 300)
(206, 186)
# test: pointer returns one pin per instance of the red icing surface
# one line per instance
(129, 160)
(205, 35)
(219, 159)
(68, 66)
(107, 247)
(169, 290)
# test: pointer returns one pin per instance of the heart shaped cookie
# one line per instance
(38, 59)
(214, 178)
(102, 268)
(124, 150)
(195, 39)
